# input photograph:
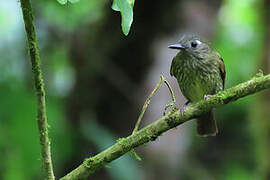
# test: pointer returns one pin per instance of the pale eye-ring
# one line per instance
(195, 43)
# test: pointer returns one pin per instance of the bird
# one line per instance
(200, 73)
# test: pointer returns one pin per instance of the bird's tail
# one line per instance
(206, 124)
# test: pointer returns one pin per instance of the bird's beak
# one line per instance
(177, 46)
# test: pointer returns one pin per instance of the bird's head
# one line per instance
(193, 45)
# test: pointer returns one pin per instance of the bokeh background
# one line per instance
(97, 80)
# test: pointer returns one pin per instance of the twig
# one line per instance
(40, 91)
(172, 95)
(169, 121)
(147, 102)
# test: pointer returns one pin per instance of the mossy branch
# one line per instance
(169, 121)
(39, 85)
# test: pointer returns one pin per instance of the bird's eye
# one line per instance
(194, 44)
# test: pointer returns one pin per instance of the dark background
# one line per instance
(97, 80)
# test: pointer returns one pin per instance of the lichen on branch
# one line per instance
(168, 121)
(39, 86)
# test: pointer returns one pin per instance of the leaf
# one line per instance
(114, 6)
(62, 1)
(73, 1)
(65, 1)
(126, 9)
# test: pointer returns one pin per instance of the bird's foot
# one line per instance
(183, 108)
(207, 96)
(168, 106)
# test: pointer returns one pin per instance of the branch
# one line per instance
(39, 85)
(169, 121)
(146, 104)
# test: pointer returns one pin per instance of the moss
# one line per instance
(259, 74)
(171, 121)
(87, 162)
(153, 137)
(121, 141)
(106, 160)
(154, 134)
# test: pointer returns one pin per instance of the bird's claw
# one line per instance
(207, 96)
(183, 108)
(167, 106)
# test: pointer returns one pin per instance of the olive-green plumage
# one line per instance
(200, 72)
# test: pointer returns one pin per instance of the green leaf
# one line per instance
(65, 1)
(62, 1)
(73, 1)
(114, 6)
(126, 9)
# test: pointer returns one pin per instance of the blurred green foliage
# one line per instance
(68, 17)
(240, 151)
(66, 1)
(19, 142)
(125, 7)
(120, 170)
(240, 38)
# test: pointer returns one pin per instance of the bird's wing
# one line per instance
(222, 70)
(172, 71)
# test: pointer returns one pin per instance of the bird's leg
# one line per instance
(207, 96)
(183, 108)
